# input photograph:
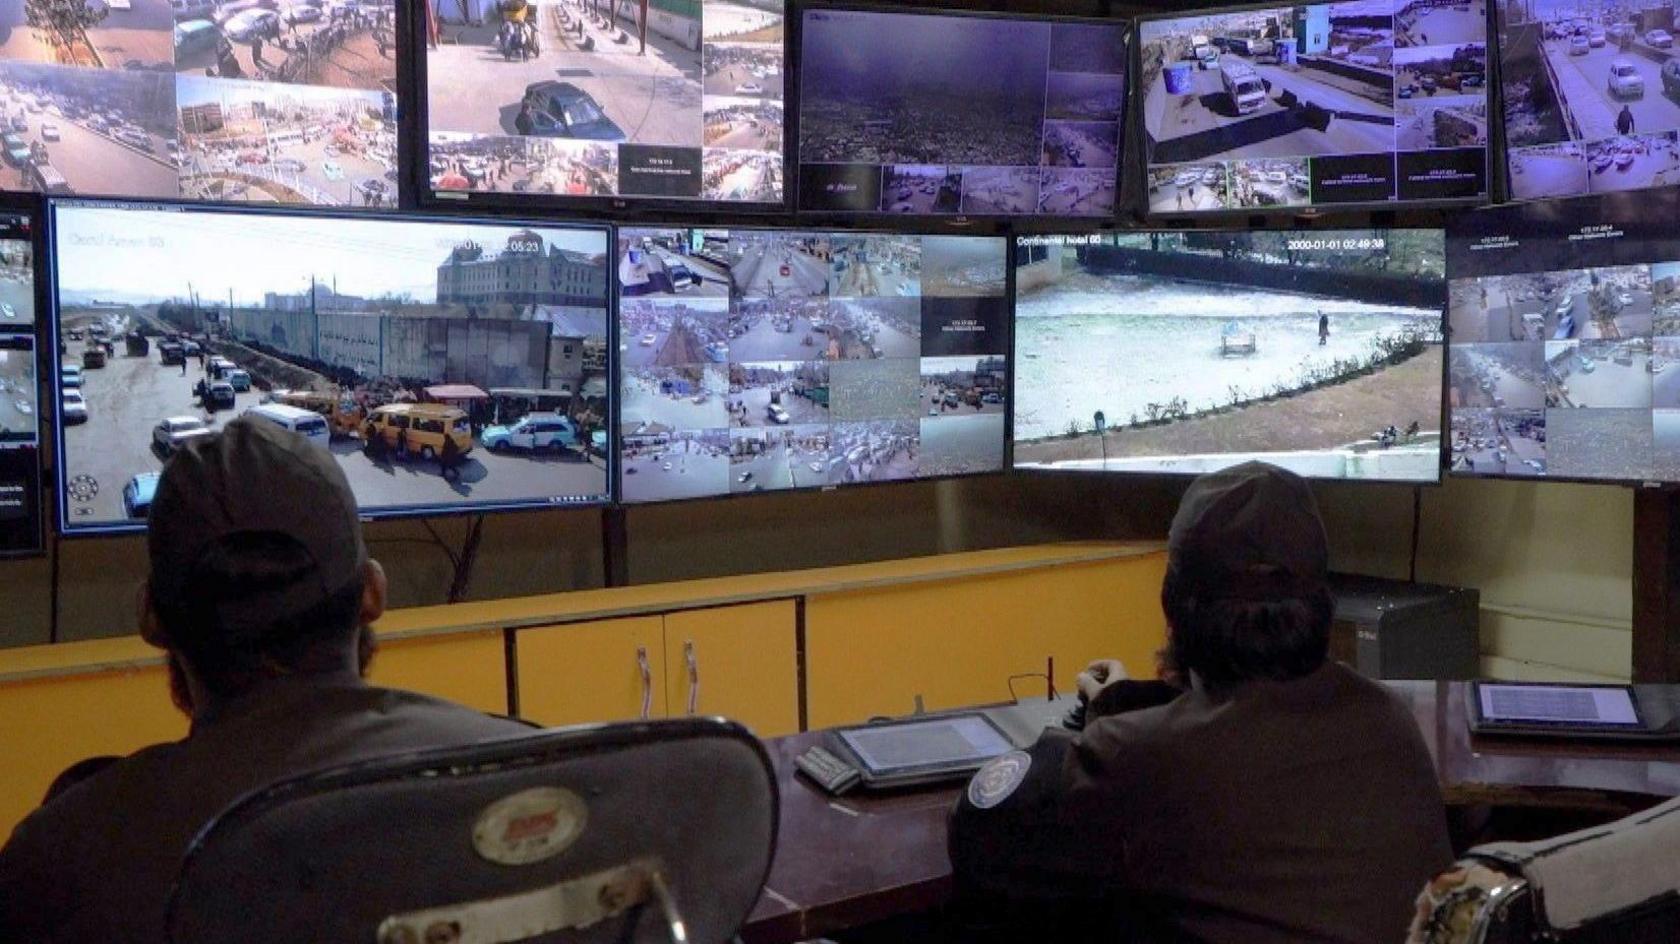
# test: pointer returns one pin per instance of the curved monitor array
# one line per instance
(579, 364)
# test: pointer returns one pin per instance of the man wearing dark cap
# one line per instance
(261, 593)
(1266, 795)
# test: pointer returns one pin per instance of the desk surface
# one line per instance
(847, 862)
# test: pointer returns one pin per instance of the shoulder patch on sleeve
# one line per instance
(998, 779)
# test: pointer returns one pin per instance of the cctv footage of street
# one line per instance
(1592, 96)
(1368, 101)
(1565, 343)
(234, 100)
(686, 105)
(1186, 352)
(765, 360)
(403, 348)
(937, 114)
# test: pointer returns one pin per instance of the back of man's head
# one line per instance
(257, 558)
(1246, 593)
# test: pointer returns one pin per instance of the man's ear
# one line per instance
(151, 628)
(373, 593)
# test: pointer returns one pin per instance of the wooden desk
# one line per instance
(849, 862)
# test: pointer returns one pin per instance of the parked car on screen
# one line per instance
(1625, 80)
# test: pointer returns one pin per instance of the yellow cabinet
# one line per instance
(605, 670)
(468, 668)
(740, 662)
(957, 643)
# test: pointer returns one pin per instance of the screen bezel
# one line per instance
(919, 223)
(1140, 137)
(1519, 725)
(1446, 362)
(844, 736)
(615, 435)
(611, 208)
(48, 287)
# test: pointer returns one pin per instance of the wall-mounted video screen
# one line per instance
(242, 101)
(762, 360)
(378, 338)
(1273, 107)
(1590, 96)
(21, 519)
(927, 114)
(1566, 339)
(581, 99)
(1186, 352)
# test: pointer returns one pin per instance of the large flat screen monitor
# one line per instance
(1589, 103)
(377, 337)
(606, 101)
(242, 101)
(1186, 352)
(762, 360)
(1566, 339)
(1369, 102)
(21, 520)
(946, 114)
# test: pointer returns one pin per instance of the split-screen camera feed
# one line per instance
(446, 366)
(1592, 96)
(1565, 345)
(1186, 352)
(930, 114)
(1364, 102)
(229, 100)
(760, 360)
(658, 99)
(20, 411)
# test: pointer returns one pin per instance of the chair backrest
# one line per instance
(1614, 883)
(648, 831)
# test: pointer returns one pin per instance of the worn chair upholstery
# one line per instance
(1615, 883)
(644, 832)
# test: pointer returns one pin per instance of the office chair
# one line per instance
(640, 832)
(1612, 884)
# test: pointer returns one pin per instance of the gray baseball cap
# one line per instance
(1251, 531)
(253, 478)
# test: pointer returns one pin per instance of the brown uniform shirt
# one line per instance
(1286, 812)
(97, 862)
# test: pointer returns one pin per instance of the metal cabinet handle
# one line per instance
(647, 681)
(693, 675)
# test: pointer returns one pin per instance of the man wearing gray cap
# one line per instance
(261, 594)
(1266, 795)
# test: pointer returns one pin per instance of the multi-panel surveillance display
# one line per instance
(585, 99)
(1271, 107)
(765, 360)
(1185, 352)
(447, 365)
(1592, 96)
(928, 114)
(227, 100)
(1566, 339)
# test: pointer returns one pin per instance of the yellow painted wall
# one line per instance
(49, 724)
(872, 652)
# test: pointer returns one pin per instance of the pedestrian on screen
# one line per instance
(449, 462)
(1323, 328)
(1624, 121)
(402, 444)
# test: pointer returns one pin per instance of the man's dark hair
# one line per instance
(1229, 641)
(229, 659)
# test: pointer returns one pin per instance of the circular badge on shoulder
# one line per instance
(529, 826)
(998, 779)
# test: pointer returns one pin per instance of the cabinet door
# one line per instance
(740, 662)
(958, 642)
(607, 670)
(467, 668)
